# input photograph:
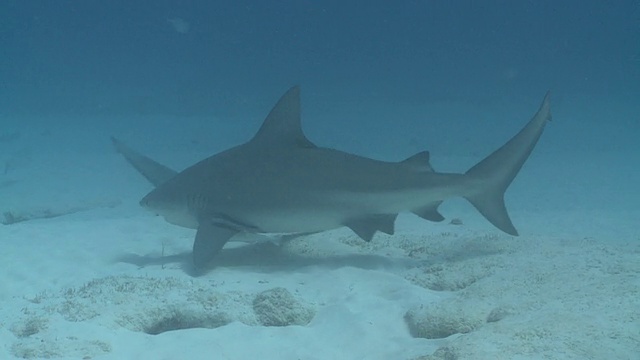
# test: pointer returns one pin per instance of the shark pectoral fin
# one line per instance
(430, 212)
(367, 226)
(210, 239)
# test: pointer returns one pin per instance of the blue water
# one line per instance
(372, 58)
(382, 79)
(182, 80)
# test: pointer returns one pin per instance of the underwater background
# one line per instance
(182, 80)
(99, 63)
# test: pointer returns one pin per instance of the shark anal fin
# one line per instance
(210, 239)
(367, 227)
(430, 212)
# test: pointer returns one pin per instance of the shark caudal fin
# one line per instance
(152, 170)
(496, 172)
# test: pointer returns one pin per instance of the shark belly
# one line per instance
(290, 220)
(335, 209)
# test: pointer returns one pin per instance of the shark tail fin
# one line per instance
(152, 170)
(495, 173)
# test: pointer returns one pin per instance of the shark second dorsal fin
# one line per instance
(283, 124)
(419, 162)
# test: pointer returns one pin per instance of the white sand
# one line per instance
(89, 284)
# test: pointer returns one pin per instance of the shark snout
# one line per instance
(147, 203)
(173, 211)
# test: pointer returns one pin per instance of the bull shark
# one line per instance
(281, 182)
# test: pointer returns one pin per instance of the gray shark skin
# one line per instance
(280, 182)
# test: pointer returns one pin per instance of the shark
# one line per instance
(279, 182)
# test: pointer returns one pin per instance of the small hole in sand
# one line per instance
(185, 320)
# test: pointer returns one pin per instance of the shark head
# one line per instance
(176, 208)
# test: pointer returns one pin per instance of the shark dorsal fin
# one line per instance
(283, 124)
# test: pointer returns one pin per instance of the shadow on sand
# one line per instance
(268, 257)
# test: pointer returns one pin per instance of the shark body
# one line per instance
(280, 182)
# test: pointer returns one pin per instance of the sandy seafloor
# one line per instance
(109, 279)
